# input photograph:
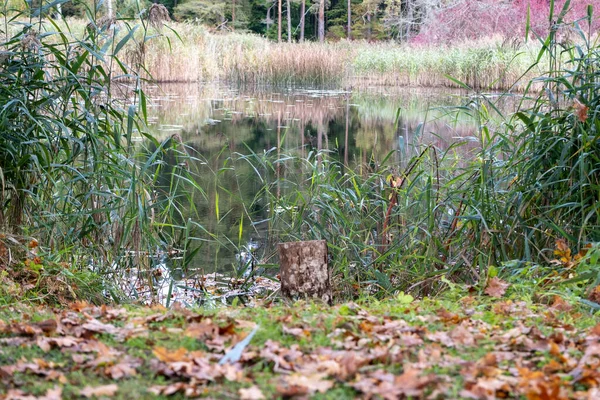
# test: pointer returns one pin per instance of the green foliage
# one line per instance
(71, 173)
(209, 13)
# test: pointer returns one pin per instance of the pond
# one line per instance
(358, 128)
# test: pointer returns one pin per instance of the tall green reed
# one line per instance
(73, 171)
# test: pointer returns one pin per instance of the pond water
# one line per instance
(359, 127)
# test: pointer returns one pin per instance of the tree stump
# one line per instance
(304, 270)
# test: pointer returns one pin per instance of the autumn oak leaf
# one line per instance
(496, 287)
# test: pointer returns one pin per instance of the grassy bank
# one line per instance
(461, 346)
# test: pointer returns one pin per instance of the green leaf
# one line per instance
(527, 23)
(404, 298)
(126, 39)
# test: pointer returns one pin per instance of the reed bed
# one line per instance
(249, 59)
(185, 52)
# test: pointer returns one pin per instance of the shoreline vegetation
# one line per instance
(249, 59)
(83, 175)
(453, 278)
(184, 52)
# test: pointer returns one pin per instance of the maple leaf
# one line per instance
(496, 287)
(251, 393)
(97, 391)
(46, 343)
(167, 356)
(463, 336)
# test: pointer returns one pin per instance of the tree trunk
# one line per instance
(302, 12)
(279, 21)
(304, 270)
(289, 22)
(349, 20)
(369, 27)
(321, 21)
(233, 15)
(109, 8)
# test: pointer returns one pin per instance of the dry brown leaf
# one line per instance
(94, 325)
(106, 390)
(52, 394)
(581, 110)
(120, 370)
(313, 383)
(48, 326)
(595, 295)
(496, 287)
(411, 382)
(297, 332)
(168, 356)
(200, 330)
(251, 393)
(463, 336)
(560, 304)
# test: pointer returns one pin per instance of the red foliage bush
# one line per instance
(475, 19)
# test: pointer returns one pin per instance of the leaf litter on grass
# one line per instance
(422, 349)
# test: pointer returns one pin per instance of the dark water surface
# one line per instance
(359, 127)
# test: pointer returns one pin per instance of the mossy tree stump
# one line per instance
(304, 271)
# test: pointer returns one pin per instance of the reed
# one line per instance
(185, 52)
(250, 59)
(526, 205)
(71, 172)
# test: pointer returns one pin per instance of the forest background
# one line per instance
(415, 21)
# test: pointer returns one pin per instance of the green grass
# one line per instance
(327, 327)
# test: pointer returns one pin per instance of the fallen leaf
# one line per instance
(106, 390)
(167, 356)
(96, 326)
(251, 393)
(47, 326)
(595, 295)
(496, 287)
(313, 383)
(120, 370)
(560, 304)
(200, 330)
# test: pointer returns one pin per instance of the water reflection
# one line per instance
(359, 128)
